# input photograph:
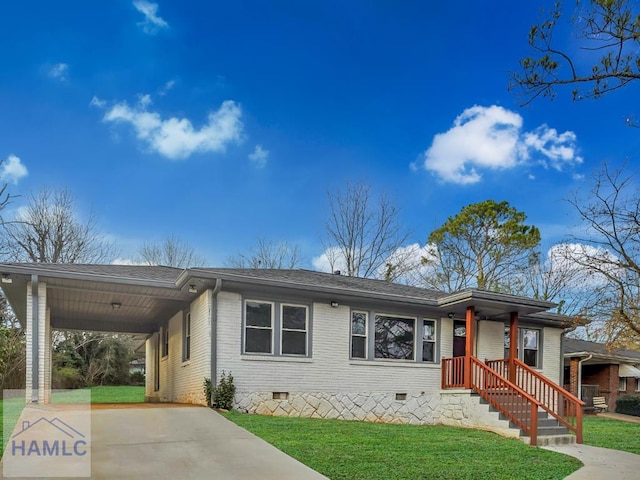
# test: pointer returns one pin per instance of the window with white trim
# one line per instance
(637, 384)
(529, 345)
(622, 384)
(380, 336)
(294, 329)
(428, 341)
(276, 328)
(186, 335)
(359, 334)
(394, 337)
(258, 332)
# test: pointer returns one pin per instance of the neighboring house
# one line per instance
(137, 365)
(594, 370)
(304, 343)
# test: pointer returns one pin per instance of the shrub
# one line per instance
(207, 388)
(66, 378)
(136, 378)
(629, 405)
(224, 392)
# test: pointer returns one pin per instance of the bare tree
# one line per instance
(608, 29)
(362, 233)
(170, 252)
(268, 254)
(610, 250)
(49, 229)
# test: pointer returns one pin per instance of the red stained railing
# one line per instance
(510, 400)
(559, 403)
(453, 372)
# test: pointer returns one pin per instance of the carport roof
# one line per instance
(82, 297)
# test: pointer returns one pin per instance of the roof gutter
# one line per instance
(213, 318)
(580, 375)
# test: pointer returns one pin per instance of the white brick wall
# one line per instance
(180, 381)
(150, 367)
(490, 344)
(552, 338)
(446, 337)
(329, 370)
(189, 376)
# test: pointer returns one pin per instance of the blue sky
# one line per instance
(221, 122)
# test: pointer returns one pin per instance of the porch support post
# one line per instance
(513, 345)
(470, 342)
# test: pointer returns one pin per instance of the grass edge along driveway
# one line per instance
(352, 450)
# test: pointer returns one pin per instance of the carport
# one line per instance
(105, 298)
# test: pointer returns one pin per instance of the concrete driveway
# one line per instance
(183, 442)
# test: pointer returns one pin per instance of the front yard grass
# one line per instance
(608, 433)
(351, 450)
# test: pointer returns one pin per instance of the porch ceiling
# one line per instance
(78, 304)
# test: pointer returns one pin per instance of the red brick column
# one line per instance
(614, 383)
(574, 367)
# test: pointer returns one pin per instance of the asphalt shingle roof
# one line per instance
(572, 345)
(134, 272)
(320, 279)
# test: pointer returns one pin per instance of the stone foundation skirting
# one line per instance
(453, 408)
(417, 409)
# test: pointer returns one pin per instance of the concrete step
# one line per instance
(550, 440)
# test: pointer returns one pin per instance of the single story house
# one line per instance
(305, 343)
(595, 370)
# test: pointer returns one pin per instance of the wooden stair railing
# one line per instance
(560, 404)
(510, 400)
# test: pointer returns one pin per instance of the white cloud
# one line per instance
(583, 262)
(144, 101)
(332, 256)
(60, 71)
(491, 138)
(96, 102)
(259, 156)
(166, 87)
(152, 21)
(557, 150)
(12, 170)
(176, 138)
(126, 261)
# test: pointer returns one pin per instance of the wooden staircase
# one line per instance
(544, 412)
(549, 431)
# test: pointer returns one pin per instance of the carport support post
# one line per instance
(37, 388)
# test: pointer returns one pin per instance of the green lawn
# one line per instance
(352, 450)
(607, 433)
(117, 394)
